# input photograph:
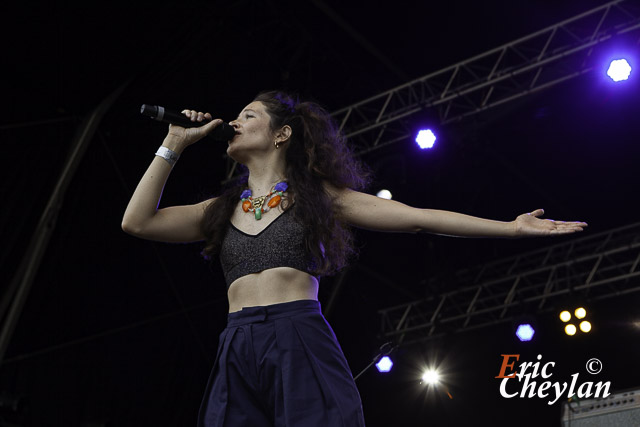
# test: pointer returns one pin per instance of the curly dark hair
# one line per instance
(317, 153)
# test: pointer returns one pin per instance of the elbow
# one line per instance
(421, 223)
(130, 228)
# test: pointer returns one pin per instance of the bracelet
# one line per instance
(169, 155)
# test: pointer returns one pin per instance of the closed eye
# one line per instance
(246, 116)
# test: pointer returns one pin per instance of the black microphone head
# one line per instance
(223, 132)
(149, 110)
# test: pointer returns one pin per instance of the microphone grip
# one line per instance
(222, 132)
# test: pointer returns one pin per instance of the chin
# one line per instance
(234, 154)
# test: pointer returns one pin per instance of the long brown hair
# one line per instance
(317, 152)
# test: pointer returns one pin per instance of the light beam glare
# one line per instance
(384, 364)
(585, 326)
(619, 70)
(525, 332)
(384, 194)
(426, 138)
(431, 377)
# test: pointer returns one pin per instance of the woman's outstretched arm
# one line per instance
(373, 213)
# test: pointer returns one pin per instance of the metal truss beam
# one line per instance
(529, 64)
(521, 67)
(600, 266)
(16, 294)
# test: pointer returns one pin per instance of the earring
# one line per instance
(276, 144)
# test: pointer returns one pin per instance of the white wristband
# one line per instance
(169, 155)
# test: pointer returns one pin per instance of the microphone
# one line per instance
(223, 132)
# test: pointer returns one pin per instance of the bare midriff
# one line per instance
(272, 286)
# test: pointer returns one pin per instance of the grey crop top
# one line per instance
(281, 244)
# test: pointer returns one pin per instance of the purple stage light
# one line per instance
(426, 138)
(385, 364)
(525, 332)
(619, 70)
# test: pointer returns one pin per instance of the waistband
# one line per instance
(263, 313)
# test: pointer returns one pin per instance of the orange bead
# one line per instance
(246, 205)
(275, 201)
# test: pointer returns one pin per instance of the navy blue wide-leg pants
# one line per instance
(280, 365)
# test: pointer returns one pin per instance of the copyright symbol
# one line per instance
(594, 366)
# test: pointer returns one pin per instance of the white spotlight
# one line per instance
(431, 377)
(384, 364)
(619, 70)
(426, 138)
(384, 194)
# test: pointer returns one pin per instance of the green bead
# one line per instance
(258, 213)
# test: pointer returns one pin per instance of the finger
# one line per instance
(200, 116)
(566, 231)
(568, 228)
(208, 116)
(537, 212)
(211, 125)
(193, 114)
(572, 223)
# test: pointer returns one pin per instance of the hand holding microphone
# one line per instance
(190, 126)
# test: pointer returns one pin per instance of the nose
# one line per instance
(234, 124)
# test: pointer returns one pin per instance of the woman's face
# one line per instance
(253, 132)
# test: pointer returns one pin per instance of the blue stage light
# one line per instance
(525, 332)
(426, 138)
(384, 364)
(619, 70)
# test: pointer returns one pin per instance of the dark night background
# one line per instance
(118, 331)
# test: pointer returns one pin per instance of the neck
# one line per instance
(265, 170)
(261, 180)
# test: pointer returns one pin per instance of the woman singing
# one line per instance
(282, 227)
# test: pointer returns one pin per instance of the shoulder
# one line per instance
(335, 192)
(203, 205)
(373, 213)
(343, 195)
(343, 198)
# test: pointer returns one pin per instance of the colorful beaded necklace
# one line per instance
(257, 205)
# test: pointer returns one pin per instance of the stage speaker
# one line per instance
(621, 409)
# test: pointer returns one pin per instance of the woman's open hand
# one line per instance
(530, 225)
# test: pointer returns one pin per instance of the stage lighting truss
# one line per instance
(529, 64)
(599, 266)
(524, 66)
